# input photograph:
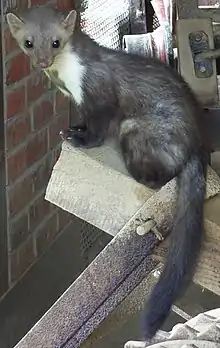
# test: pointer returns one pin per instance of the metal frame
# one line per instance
(138, 18)
(190, 9)
(3, 210)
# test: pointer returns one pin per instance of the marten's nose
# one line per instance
(44, 63)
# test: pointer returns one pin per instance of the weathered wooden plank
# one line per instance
(207, 274)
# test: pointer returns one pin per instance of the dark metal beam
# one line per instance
(3, 210)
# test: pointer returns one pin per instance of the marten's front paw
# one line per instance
(81, 137)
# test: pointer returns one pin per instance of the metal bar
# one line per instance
(209, 54)
(3, 210)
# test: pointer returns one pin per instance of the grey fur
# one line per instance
(154, 115)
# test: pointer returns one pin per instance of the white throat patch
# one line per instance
(70, 72)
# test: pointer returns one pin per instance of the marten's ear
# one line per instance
(14, 22)
(70, 21)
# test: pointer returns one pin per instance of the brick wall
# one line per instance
(34, 114)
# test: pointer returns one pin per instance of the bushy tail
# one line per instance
(185, 244)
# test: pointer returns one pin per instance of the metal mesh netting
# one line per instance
(106, 21)
(156, 23)
(89, 235)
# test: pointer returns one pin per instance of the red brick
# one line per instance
(65, 5)
(46, 235)
(20, 195)
(17, 68)
(42, 113)
(21, 259)
(61, 102)
(64, 218)
(19, 231)
(38, 211)
(37, 86)
(18, 4)
(41, 175)
(10, 43)
(4, 280)
(17, 164)
(27, 156)
(37, 148)
(60, 123)
(37, 2)
(56, 154)
(17, 130)
(15, 101)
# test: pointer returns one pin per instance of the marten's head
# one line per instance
(42, 33)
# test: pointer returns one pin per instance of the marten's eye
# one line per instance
(28, 44)
(56, 44)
